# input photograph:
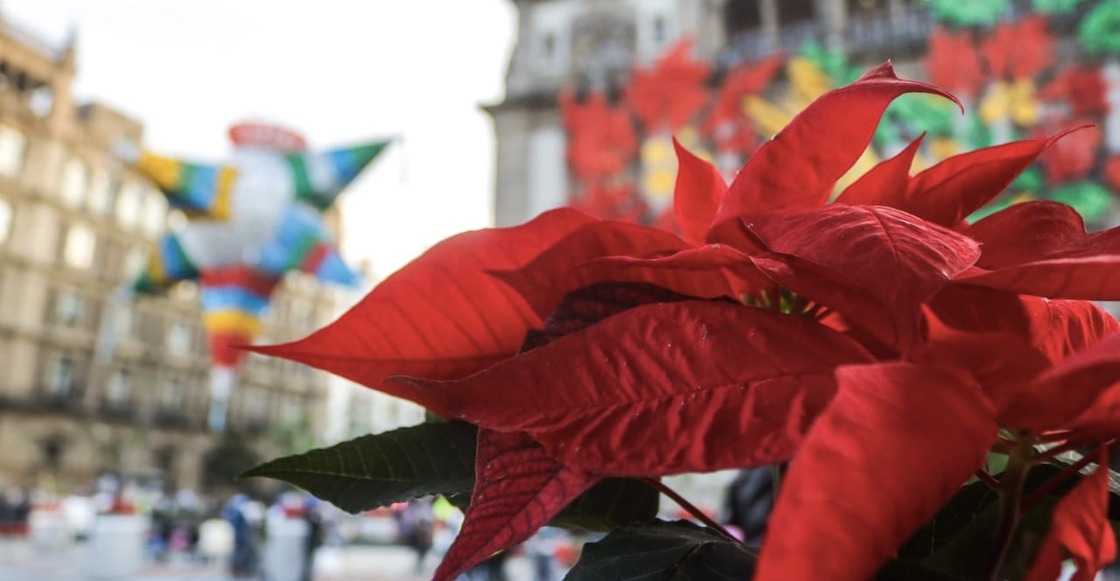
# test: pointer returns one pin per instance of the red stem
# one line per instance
(1058, 479)
(689, 507)
(987, 479)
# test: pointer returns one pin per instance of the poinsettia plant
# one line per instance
(943, 393)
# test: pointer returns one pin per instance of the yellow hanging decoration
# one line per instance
(943, 147)
(1015, 101)
(807, 82)
(1024, 104)
(659, 165)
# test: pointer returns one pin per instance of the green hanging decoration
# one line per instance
(1030, 180)
(888, 132)
(1090, 199)
(928, 113)
(1100, 29)
(1001, 202)
(970, 13)
(910, 116)
(833, 63)
(1055, 6)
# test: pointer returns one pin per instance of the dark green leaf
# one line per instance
(910, 571)
(957, 514)
(614, 502)
(965, 545)
(662, 551)
(381, 469)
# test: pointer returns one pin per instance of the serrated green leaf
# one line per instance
(963, 546)
(613, 503)
(664, 551)
(381, 469)
(957, 514)
(910, 571)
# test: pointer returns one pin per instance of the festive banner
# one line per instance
(1003, 63)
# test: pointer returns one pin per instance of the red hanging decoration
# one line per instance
(667, 95)
(601, 139)
(953, 63)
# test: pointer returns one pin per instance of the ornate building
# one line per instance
(92, 382)
(596, 89)
(589, 45)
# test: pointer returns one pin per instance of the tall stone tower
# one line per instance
(583, 45)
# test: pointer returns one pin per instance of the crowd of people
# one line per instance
(238, 531)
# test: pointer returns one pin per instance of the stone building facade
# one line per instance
(593, 44)
(93, 383)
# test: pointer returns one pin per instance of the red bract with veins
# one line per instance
(882, 345)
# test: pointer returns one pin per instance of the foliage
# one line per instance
(976, 12)
(917, 373)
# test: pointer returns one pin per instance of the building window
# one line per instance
(742, 15)
(41, 100)
(60, 376)
(291, 412)
(79, 247)
(134, 263)
(864, 5)
(68, 307)
(13, 146)
(100, 197)
(171, 395)
(154, 219)
(75, 181)
(548, 47)
(300, 315)
(128, 203)
(5, 220)
(256, 406)
(790, 11)
(122, 321)
(179, 338)
(659, 34)
(119, 389)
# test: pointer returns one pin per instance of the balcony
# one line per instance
(746, 46)
(122, 412)
(176, 419)
(875, 33)
(879, 34)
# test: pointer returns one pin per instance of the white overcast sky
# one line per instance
(338, 71)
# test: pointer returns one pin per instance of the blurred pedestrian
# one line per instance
(492, 569)
(313, 515)
(417, 523)
(237, 512)
(748, 502)
(542, 548)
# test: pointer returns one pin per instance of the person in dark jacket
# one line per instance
(748, 502)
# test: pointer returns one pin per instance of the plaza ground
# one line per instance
(21, 561)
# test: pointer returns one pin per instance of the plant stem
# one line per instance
(1061, 477)
(1010, 494)
(689, 507)
(987, 479)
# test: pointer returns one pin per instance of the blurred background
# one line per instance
(368, 132)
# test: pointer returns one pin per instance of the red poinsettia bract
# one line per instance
(881, 344)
